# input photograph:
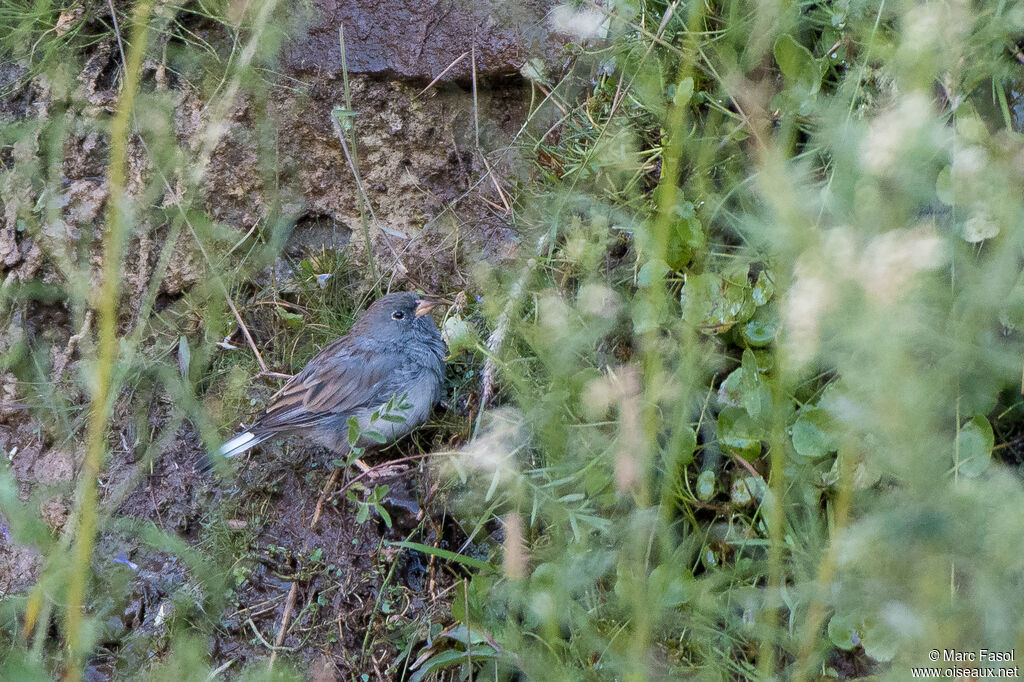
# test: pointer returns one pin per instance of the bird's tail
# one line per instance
(242, 442)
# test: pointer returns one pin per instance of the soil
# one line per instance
(186, 543)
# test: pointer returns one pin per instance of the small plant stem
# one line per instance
(476, 109)
(100, 404)
(353, 158)
(469, 639)
(370, 470)
(245, 332)
(441, 75)
(497, 185)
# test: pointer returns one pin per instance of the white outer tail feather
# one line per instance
(241, 443)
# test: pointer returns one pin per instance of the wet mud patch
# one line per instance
(359, 602)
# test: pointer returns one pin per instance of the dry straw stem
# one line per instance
(99, 411)
(441, 75)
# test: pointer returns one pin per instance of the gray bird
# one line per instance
(392, 357)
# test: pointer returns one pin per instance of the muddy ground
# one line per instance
(226, 545)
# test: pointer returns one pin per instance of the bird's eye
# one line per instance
(397, 315)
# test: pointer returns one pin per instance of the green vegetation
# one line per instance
(758, 369)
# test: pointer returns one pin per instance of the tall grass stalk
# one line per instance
(107, 320)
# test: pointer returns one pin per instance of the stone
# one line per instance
(410, 39)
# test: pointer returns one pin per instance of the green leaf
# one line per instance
(944, 186)
(461, 634)
(843, 632)
(974, 443)
(353, 432)
(387, 229)
(384, 515)
(651, 271)
(443, 554)
(645, 317)
(18, 665)
(797, 64)
(686, 237)
(685, 210)
(458, 334)
(761, 330)
(714, 304)
(453, 657)
(534, 70)
(756, 400)
(683, 445)
(738, 433)
(706, 485)
(184, 357)
(291, 320)
(764, 288)
(375, 436)
(343, 118)
(814, 433)
(731, 389)
(684, 91)
(667, 586)
(746, 489)
(340, 113)
(470, 599)
(881, 641)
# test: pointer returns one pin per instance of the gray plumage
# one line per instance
(393, 354)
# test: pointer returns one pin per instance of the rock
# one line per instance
(419, 40)
(322, 670)
(54, 467)
(19, 566)
(55, 511)
(8, 395)
(415, 159)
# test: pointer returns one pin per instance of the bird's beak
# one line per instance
(426, 304)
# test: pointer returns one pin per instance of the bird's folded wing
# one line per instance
(338, 381)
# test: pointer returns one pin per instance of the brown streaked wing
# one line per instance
(335, 382)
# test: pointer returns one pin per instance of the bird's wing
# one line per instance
(339, 380)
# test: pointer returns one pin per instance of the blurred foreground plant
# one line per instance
(764, 350)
